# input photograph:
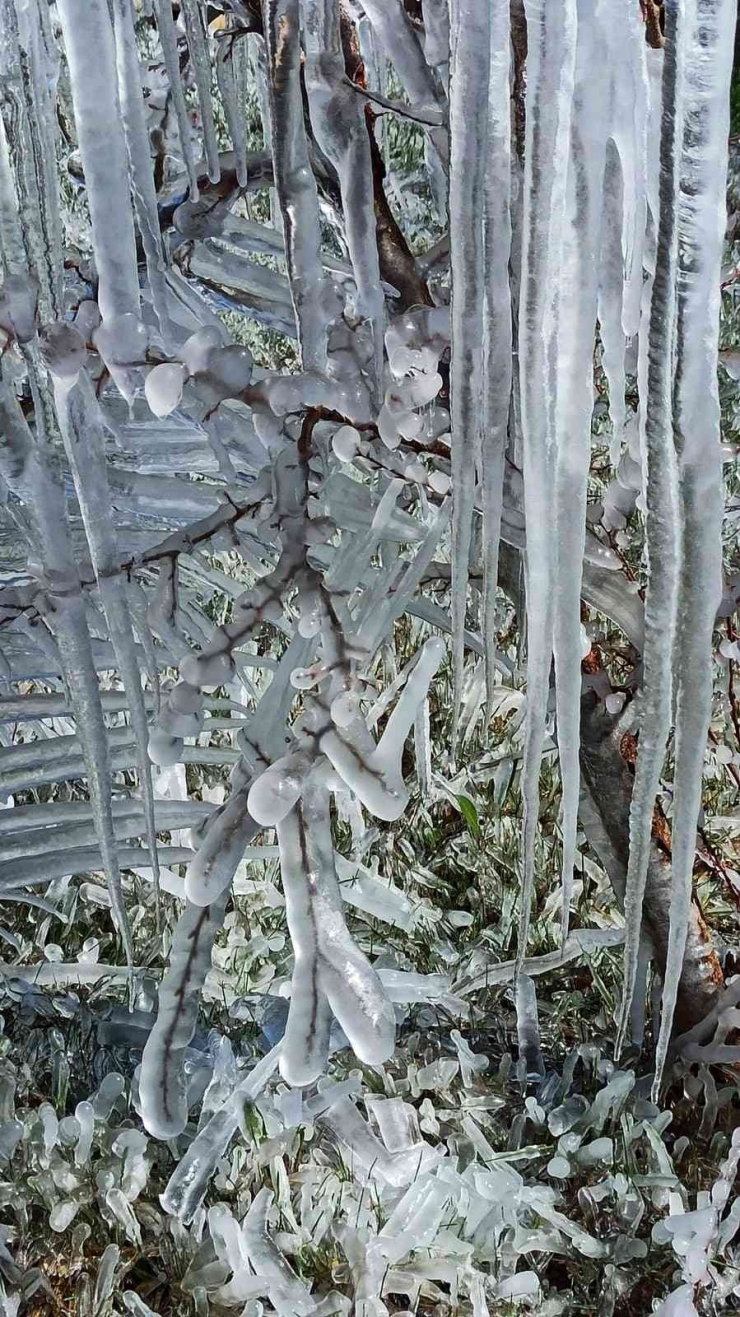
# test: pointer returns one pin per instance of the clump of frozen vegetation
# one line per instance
(368, 720)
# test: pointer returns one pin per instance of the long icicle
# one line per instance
(576, 318)
(497, 349)
(661, 530)
(338, 119)
(84, 442)
(168, 41)
(139, 157)
(706, 40)
(469, 76)
(294, 180)
(23, 27)
(200, 60)
(28, 476)
(86, 26)
(551, 67)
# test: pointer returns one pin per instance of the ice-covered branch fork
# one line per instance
(330, 750)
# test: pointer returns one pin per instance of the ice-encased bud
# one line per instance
(164, 749)
(415, 471)
(163, 387)
(62, 349)
(228, 372)
(207, 669)
(423, 388)
(346, 443)
(284, 393)
(309, 622)
(185, 698)
(18, 302)
(345, 708)
(304, 679)
(63, 1214)
(409, 424)
(197, 350)
(440, 482)
(267, 427)
(388, 427)
(87, 319)
(179, 724)
(273, 795)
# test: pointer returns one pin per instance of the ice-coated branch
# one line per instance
(162, 1082)
(330, 971)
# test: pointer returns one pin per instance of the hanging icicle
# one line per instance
(703, 35)
(551, 50)
(470, 68)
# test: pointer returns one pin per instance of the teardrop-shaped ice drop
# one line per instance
(163, 387)
(230, 369)
(422, 388)
(87, 319)
(346, 443)
(163, 749)
(197, 350)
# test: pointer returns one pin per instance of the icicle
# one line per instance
(625, 202)
(576, 319)
(661, 529)
(26, 473)
(84, 442)
(168, 40)
(135, 132)
(497, 343)
(294, 180)
(13, 250)
(338, 120)
(402, 47)
(704, 38)
(527, 1026)
(551, 37)
(228, 86)
(86, 26)
(470, 60)
(200, 60)
(162, 1083)
(28, 26)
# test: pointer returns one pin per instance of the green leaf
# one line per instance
(470, 814)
